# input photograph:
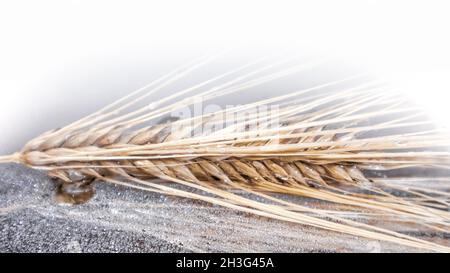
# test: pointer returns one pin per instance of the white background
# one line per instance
(56, 56)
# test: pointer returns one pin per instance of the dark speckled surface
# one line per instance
(120, 219)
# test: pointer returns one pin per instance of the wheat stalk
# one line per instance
(316, 145)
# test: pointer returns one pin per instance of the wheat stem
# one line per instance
(12, 158)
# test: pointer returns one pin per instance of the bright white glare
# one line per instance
(431, 91)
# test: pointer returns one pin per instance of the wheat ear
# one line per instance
(315, 145)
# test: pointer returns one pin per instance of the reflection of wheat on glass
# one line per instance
(328, 146)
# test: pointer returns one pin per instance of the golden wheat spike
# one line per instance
(308, 143)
